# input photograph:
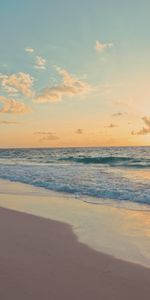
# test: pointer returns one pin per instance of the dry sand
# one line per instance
(41, 259)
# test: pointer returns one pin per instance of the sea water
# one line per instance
(114, 176)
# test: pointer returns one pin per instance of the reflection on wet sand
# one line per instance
(117, 231)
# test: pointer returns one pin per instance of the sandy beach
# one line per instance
(56, 247)
(117, 231)
(42, 259)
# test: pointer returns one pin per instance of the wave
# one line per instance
(91, 198)
(120, 174)
(111, 160)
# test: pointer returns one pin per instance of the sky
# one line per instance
(74, 73)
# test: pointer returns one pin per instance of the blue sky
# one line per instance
(64, 34)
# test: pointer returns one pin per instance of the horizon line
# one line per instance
(76, 147)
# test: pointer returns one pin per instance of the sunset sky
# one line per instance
(74, 73)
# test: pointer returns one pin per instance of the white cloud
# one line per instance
(17, 83)
(100, 47)
(11, 106)
(40, 63)
(70, 86)
(29, 50)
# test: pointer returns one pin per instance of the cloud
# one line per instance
(19, 83)
(3, 122)
(144, 130)
(47, 136)
(40, 63)
(118, 114)
(111, 125)
(100, 47)
(69, 86)
(146, 120)
(29, 50)
(79, 131)
(11, 106)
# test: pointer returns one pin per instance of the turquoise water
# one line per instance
(116, 174)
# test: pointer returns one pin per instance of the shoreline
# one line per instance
(43, 259)
(91, 200)
(114, 231)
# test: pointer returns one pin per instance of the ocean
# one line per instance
(113, 176)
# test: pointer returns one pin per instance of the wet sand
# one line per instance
(119, 232)
(42, 259)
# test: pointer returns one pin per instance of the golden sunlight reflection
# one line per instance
(136, 223)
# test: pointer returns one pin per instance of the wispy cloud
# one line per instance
(144, 130)
(11, 106)
(19, 83)
(111, 125)
(79, 131)
(118, 114)
(29, 50)
(100, 47)
(47, 135)
(40, 63)
(69, 86)
(3, 122)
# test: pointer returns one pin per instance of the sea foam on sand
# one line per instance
(122, 233)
